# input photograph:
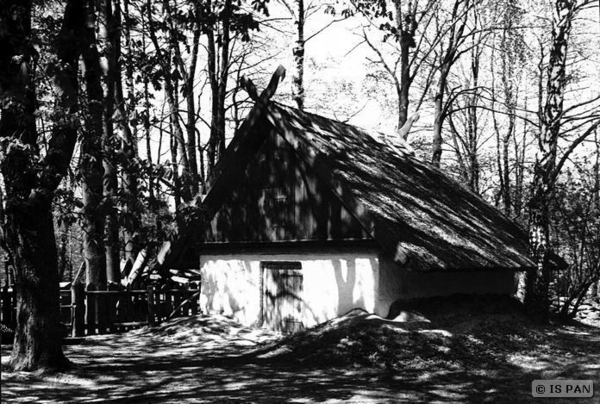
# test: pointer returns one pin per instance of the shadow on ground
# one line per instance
(208, 360)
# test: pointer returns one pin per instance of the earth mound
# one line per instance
(451, 333)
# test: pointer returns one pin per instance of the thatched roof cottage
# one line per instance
(309, 218)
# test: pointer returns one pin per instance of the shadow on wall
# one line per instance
(331, 286)
(341, 285)
(283, 300)
(230, 289)
(346, 285)
(281, 198)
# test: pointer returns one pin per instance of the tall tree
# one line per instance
(184, 72)
(188, 91)
(126, 121)
(91, 167)
(465, 125)
(510, 49)
(453, 34)
(301, 11)
(108, 44)
(298, 52)
(407, 18)
(226, 23)
(298, 13)
(546, 167)
(219, 42)
(30, 179)
(407, 25)
(170, 76)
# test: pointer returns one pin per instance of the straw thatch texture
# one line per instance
(428, 221)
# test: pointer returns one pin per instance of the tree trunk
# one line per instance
(473, 123)
(298, 52)
(439, 116)
(507, 46)
(218, 73)
(107, 44)
(472, 113)
(472, 132)
(30, 236)
(30, 183)
(448, 58)
(63, 261)
(407, 27)
(37, 338)
(171, 77)
(438, 121)
(146, 122)
(91, 158)
(519, 173)
(191, 139)
(537, 300)
(214, 84)
(506, 190)
(189, 73)
(130, 214)
(176, 179)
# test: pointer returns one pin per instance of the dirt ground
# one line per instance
(474, 357)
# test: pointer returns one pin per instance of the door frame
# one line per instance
(270, 266)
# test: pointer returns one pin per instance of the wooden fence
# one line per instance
(91, 312)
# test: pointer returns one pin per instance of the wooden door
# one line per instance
(282, 296)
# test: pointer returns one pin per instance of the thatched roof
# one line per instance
(428, 221)
(422, 218)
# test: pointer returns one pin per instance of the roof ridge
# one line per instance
(396, 144)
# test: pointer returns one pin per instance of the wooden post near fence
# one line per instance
(194, 302)
(150, 299)
(78, 309)
(91, 309)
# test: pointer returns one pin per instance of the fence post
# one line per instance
(111, 307)
(159, 302)
(77, 309)
(91, 309)
(166, 306)
(103, 301)
(125, 305)
(137, 302)
(194, 302)
(150, 299)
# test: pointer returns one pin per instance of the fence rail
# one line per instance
(91, 312)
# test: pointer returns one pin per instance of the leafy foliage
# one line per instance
(576, 207)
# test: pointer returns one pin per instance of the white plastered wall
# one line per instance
(333, 284)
